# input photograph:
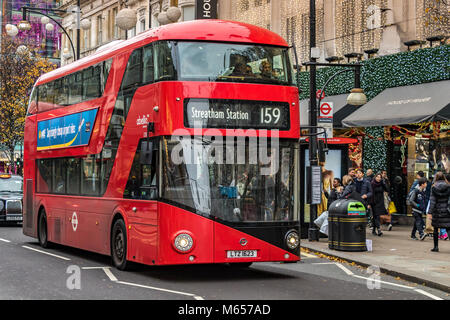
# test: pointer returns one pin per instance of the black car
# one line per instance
(11, 195)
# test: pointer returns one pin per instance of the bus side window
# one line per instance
(91, 83)
(90, 180)
(164, 62)
(44, 175)
(133, 72)
(142, 179)
(59, 175)
(148, 67)
(75, 88)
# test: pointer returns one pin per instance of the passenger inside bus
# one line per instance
(266, 69)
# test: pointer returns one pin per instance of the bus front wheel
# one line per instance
(119, 245)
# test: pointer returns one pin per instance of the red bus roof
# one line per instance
(207, 30)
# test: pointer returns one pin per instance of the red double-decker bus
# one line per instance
(178, 146)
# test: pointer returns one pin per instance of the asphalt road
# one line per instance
(29, 272)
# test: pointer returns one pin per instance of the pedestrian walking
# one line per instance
(439, 206)
(417, 199)
(387, 200)
(377, 202)
(336, 191)
(420, 174)
(370, 175)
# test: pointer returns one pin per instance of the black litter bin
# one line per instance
(347, 225)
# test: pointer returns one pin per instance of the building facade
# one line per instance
(345, 26)
(38, 39)
(101, 15)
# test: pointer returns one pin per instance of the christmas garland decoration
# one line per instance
(401, 69)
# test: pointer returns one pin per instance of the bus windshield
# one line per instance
(207, 61)
(244, 182)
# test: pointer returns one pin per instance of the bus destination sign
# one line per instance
(236, 114)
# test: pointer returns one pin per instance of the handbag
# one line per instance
(428, 227)
(391, 208)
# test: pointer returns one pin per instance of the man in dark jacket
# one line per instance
(418, 200)
(440, 193)
(363, 186)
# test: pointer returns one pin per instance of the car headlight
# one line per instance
(183, 242)
(292, 239)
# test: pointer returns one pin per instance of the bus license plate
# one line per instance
(241, 254)
(14, 218)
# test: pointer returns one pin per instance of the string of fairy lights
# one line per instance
(351, 28)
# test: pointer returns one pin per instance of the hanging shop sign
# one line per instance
(206, 9)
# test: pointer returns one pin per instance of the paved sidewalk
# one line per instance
(398, 255)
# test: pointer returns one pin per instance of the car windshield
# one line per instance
(11, 185)
(207, 61)
(241, 182)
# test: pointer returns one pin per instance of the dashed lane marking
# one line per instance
(4, 240)
(348, 272)
(113, 278)
(428, 294)
(47, 253)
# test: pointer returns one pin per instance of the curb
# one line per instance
(404, 276)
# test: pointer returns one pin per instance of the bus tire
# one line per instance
(43, 230)
(119, 245)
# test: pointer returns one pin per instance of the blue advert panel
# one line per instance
(69, 131)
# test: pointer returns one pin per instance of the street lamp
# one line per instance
(356, 97)
(24, 25)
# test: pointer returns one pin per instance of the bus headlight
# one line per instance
(292, 239)
(183, 242)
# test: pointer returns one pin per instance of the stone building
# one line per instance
(99, 16)
(345, 26)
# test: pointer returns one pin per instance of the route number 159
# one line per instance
(270, 115)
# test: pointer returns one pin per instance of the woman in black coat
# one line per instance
(439, 210)
(377, 202)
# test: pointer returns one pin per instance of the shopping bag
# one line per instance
(324, 227)
(321, 219)
(392, 209)
(428, 226)
(385, 219)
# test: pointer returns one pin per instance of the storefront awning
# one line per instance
(426, 102)
(340, 110)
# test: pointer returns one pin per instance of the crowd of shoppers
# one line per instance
(426, 198)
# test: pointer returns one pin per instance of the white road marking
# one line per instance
(308, 255)
(385, 282)
(162, 289)
(428, 294)
(47, 253)
(109, 274)
(347, 271)
(114, 279)
(324, 263)
(4, 240)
